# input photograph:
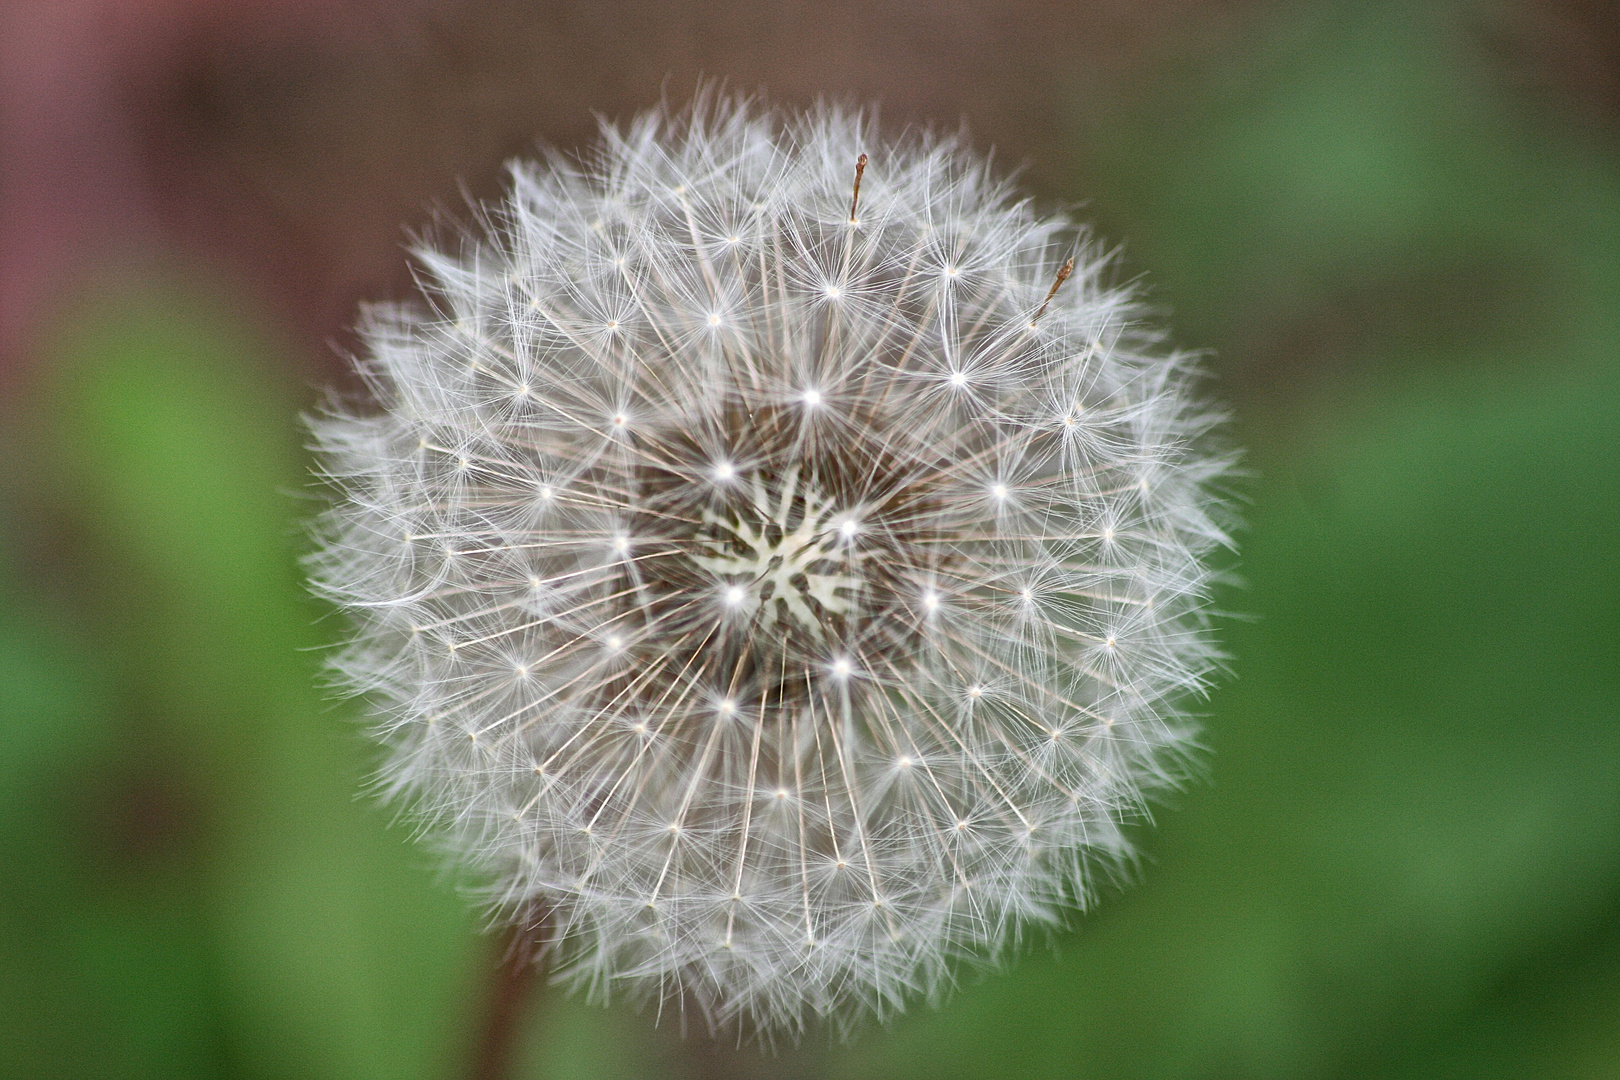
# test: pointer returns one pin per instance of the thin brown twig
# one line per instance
(855, 199)
(1062, 275)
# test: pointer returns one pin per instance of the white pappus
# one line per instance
(776, 553)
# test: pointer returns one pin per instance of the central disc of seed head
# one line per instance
(775, 574)
(784, 553)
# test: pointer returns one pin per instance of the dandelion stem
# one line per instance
(520, 956)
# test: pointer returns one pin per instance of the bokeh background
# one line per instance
(1395, 226)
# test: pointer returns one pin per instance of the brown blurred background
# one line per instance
(285, 143)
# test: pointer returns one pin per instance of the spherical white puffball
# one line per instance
(777, 554)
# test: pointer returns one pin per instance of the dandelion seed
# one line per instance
(881, 766)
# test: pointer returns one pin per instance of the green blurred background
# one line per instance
(1396, 226)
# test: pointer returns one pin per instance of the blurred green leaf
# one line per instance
(173, 445)
(1416, 776)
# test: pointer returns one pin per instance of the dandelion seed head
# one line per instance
(869, 619)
